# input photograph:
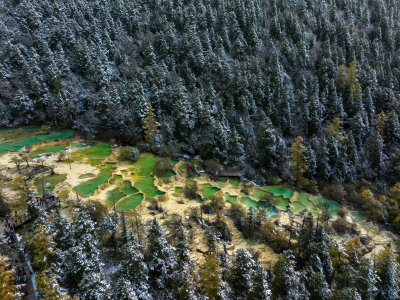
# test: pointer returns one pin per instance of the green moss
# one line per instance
(230, 198)
(181, 169)
(130, 202)
(209, 190)
(86, 175)
(51, 181)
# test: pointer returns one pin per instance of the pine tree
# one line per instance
(380, 124)
(123, 290)
(375, 152)
(134, 269)
(49, 288)
(387, 270)
(392, 127)
(259, 289)
(347, 294)
(241, 273)
(235, 148)
(94, 286)
(298, 161)
(335, 129)
(210, 277)
(267, 141)
(150, 127)
(161, 261)
(286, 282)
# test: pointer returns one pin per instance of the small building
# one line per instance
(230, 172)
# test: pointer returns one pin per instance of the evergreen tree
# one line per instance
(161, 261)
(134, 269)
(375, 152)
(387, 270)
(123, 290)
(235, 148)
(298, 161)
(286, 282)
(210, 276)
(150, 127)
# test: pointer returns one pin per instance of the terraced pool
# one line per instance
(130, 202)
(89, 187)
(209, 190)
(18, 142)
(54, 148)
(50, 181)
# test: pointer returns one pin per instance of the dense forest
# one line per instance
(232, 80)
(99, 255)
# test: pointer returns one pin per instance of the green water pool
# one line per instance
(89, 187)
(114, 196)
(51, 181)
(333, 205)
(49, 149)
(127, 188)
(17, 143)
(234, 181)
(98, 149)
(271, 211)
(209, 190)
(115, 178)
(281, 203)
(248, 202)
(130, 202)
(87, 175)
(231, 198)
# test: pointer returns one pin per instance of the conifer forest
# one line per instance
(200, 150)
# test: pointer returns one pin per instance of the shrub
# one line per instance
(334, 192)
(190, 191)
(190, 169)
(342, 212)
(341, 226)
(162, 166)
(128, 154)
